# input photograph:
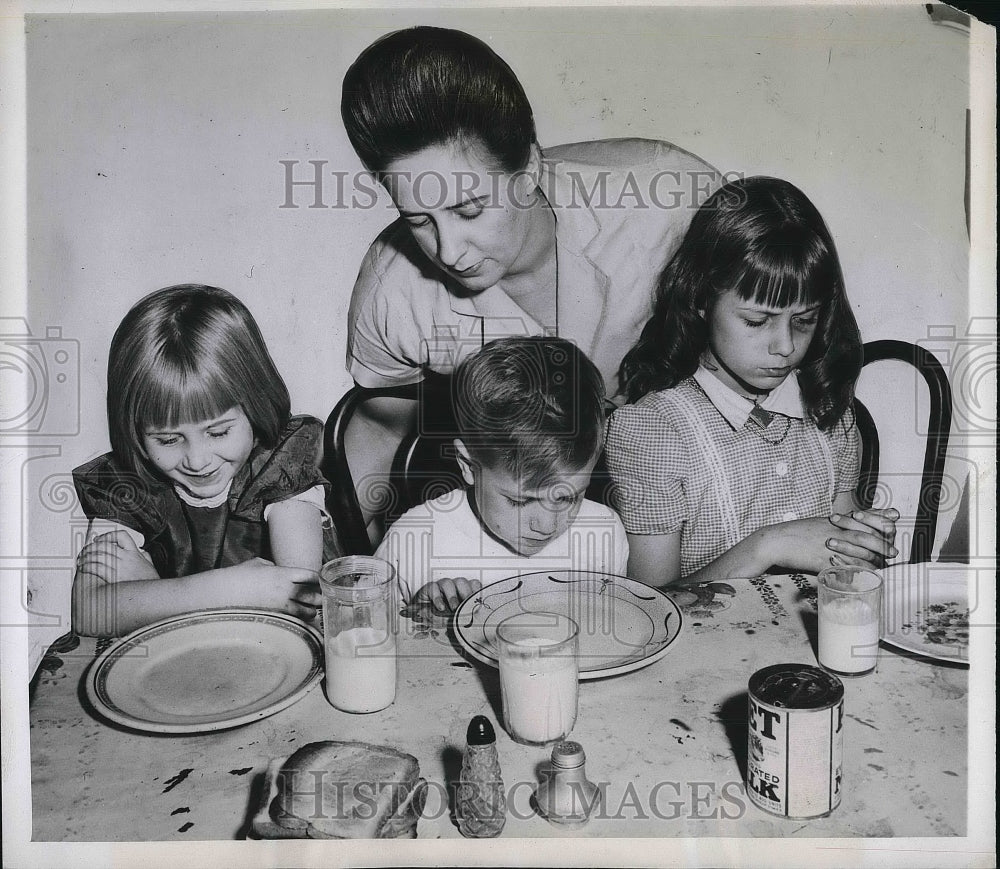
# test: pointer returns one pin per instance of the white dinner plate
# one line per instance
(206, 671)
(921, 604)
(624, 624)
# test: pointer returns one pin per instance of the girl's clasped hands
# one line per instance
(865, 538)
(872, 541)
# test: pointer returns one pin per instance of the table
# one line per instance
(668, 741)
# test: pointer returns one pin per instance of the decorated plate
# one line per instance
(206, 671)
(624, 624)
(925, 609)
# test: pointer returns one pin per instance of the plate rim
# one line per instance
(103, 663)
(585, 675)
(896, 574)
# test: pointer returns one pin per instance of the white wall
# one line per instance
(154, 147)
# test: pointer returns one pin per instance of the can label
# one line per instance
(795, 741)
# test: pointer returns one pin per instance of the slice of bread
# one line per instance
(342, 790)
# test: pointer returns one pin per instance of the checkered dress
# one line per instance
(678, 465)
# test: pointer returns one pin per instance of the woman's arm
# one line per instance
(371, 441)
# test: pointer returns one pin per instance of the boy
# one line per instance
(530, 415)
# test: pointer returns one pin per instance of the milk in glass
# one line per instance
(850, 603)
(539, 676)
(361, 670)
(848, 635)
(358, 633)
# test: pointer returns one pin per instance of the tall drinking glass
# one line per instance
(850, 603)
(539, 676)
(358, 597)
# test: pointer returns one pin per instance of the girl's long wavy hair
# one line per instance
(763, 238)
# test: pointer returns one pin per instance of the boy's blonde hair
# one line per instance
(533, 406)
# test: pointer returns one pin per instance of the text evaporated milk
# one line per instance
(795, 744)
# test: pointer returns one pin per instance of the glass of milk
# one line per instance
(850, 601)
(539, 676)
(358, 632)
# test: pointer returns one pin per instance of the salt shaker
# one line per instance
(566, 797)
(480, 804)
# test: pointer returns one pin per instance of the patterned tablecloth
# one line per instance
(667, 743)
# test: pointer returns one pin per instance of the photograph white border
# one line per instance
(976, 849)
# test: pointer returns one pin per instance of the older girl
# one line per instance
(211, 495)
(737, 451)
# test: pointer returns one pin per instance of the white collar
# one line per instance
(195, 501)
(786, 398)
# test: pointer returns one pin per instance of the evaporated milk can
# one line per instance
(796, 740)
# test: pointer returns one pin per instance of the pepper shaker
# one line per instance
(566, 796)
(481, 807)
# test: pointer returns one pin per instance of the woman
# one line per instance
(495, 236)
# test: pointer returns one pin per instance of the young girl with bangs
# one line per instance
(737, 452)
(211, 495)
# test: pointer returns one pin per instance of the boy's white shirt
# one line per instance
(443, 538)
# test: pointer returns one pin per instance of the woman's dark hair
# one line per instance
(763, 238)
(426, 86)
(185, 354)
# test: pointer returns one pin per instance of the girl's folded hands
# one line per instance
(877, 523)
(811, 545)
(114, 557)
(882, 522)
